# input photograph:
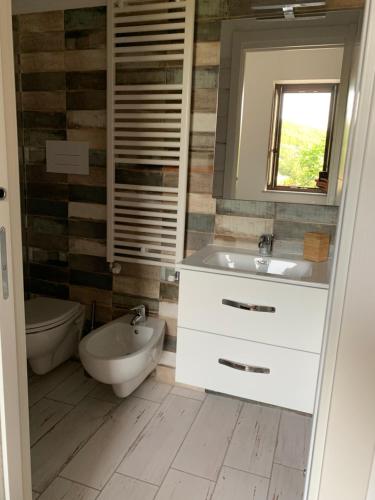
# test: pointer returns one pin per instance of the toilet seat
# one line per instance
(44, 313)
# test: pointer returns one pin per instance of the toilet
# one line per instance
(53, 330)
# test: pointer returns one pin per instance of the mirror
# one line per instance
(284, 108)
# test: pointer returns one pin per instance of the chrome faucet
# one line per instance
(139, 316)
(265, 244)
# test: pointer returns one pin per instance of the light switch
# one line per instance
(68, 157)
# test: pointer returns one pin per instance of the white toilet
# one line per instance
(53, 330)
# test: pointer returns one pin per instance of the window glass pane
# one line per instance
(304, 122)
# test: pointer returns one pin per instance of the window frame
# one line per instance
(276, 127)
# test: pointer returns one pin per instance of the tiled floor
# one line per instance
(162, 443)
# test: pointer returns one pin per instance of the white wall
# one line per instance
(261, 70)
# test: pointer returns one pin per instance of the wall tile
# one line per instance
(201, 203)
(204, 100)
(128, 285)
(44, 241)
(88, 80)
(97, 138)
(140, 271)
(306, 213)
(96, 177)
(58, 274)
(195, 240)
(89, 194)
(207, 8)
(43, 101)
(89, 279)
(47, 225)
(42, 61)
(87, 247)
(246, 208)
(205, 78)
(35, 119)
(50, 208)
(41, 42)
(85, 39)
(83, 19)
(285, 230)
(200, 183)
(242, 227)
(207, 54)
(86, 99)
(43, 81)
(41, 22)
(48, 288)
(87, 295)
(122, 303)
(89, 263)
(168, 292)
(86, 119)
(88, 229)
(200, 222)
(85, 60)
(56, 192)
(38, 171)
(87, 211)
(38, 138)
(207, 31)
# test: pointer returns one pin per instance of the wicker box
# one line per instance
(316, 247)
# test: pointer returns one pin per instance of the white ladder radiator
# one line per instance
(148, 129)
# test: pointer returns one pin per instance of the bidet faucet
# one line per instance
(139, 316)
(265, 244)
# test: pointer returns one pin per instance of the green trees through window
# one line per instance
(301, 155)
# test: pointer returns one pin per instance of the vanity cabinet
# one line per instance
(252, 338)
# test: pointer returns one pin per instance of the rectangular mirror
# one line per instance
(284, 108)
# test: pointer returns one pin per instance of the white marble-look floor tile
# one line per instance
(204, 448)
(127, 488)
(44, 415)
(56, 448)
(238, 485)
(95, 463)
(286, 484)
(188, 393)
(41, 385)
(253, 444)
(153, 390)
(152, 454)
(104, 392)
(62, 489)
(181, 486)
(294, 440)
(74, 388)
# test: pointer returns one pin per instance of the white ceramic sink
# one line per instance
(292, 269)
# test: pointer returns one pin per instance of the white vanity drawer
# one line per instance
(290, 383)
(297, 321)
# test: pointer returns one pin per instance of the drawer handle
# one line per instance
(243, 367)
(248, 307)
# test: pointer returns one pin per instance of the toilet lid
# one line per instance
(42, 313)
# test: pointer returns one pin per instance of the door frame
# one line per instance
(14, 412)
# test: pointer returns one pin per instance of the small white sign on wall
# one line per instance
(68, 157)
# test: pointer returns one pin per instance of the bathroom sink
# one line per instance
(293, 269)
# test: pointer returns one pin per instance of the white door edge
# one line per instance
(13, 366)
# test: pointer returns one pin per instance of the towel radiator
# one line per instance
(148, 128)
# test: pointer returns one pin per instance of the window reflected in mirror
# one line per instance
(301, 136)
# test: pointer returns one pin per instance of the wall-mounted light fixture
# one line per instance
(286, 8)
